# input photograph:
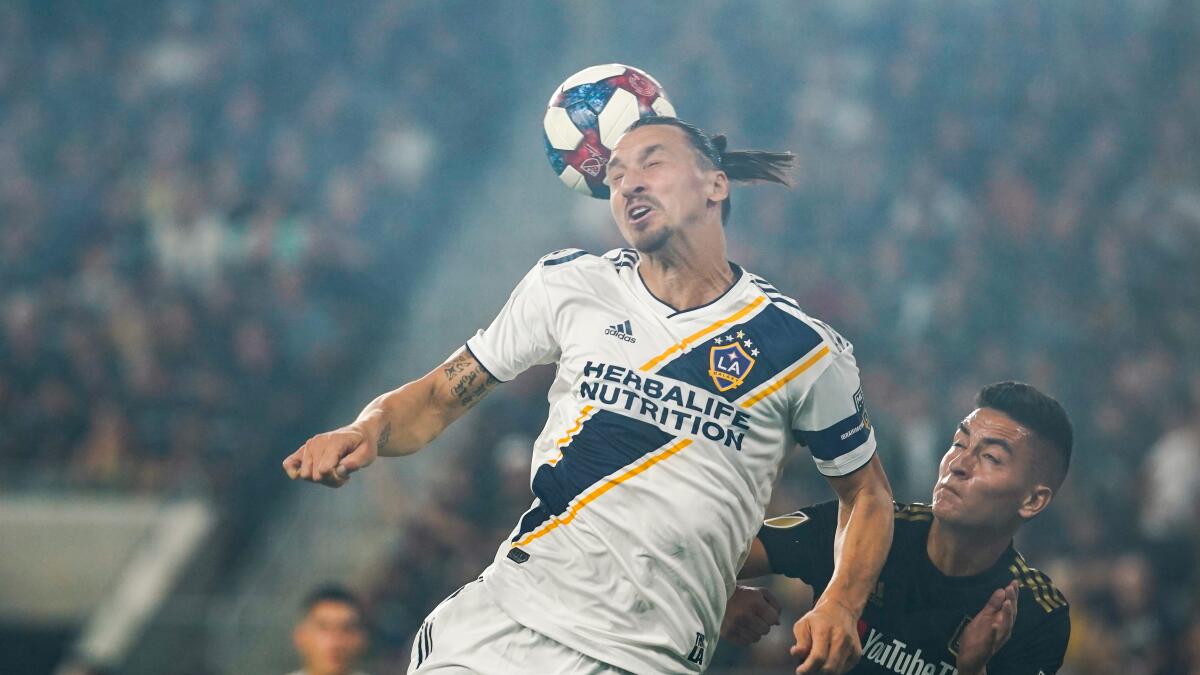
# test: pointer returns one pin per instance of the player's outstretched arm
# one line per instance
(827, 639)
(399, 422)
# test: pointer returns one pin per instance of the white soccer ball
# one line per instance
(589, 112)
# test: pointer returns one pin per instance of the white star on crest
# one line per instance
(719, 340)
(741, 334)
(749, 343)
(753, 352)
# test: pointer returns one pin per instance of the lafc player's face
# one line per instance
(986, 475)
(657, 185)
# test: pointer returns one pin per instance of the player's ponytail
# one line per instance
(748, 166)
(743, 166)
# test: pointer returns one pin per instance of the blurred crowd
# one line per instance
(203, 207)
(987, 191)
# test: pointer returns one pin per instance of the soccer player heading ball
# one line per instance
(682, 382)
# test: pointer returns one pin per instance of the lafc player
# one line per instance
(682, 381)
(948, 597)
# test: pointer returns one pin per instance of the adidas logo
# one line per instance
(623, 331)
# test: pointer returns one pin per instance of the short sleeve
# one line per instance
(800, 544)
(522, 335)
(831, 420)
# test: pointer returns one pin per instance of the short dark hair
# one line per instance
(1042, 414)
(746, 166)
(332, 593)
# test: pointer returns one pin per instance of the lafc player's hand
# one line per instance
(827, 640)
(749, 615)
(988, 631)
(331, 457)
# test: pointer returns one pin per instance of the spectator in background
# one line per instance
(1170, 503)
(331, 636)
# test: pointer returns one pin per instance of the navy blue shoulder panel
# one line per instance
(565, 258)
(622, 257)
(773, 293)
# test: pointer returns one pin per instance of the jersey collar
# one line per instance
(669, 312)
(997, 572)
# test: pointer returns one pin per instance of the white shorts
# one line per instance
(468, 633)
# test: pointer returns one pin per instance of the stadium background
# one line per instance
(224, 226)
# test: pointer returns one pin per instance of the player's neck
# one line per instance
(689, 271)
(962, 552)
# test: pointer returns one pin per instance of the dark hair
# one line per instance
(1041, 413)
(332, 593)
(744, 166)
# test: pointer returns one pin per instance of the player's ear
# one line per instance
(1036, 501)
(718, 187)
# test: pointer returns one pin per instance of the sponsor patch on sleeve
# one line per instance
(787, 522)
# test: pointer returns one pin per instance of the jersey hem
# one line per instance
(634, 663)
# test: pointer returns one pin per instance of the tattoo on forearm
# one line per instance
(469, 381)
(384, 437)
(456, 366)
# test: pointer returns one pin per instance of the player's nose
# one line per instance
(632, 184)
(960, 465)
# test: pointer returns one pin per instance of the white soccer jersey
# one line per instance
(664, 440)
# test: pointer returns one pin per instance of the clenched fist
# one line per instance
(331, 457)
(827, 640)
(749, 615)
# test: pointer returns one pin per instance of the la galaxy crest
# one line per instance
(729, 362)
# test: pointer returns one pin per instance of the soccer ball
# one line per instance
(589, 112)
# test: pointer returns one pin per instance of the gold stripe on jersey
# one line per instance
(914, 512)
(570, 433)
(605, 486)
(575, 429)
(1032, 586)
(791, 375)
(687, 342)
(1052, 594)
(1044, 592)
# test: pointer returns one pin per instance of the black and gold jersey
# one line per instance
(913, 619)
